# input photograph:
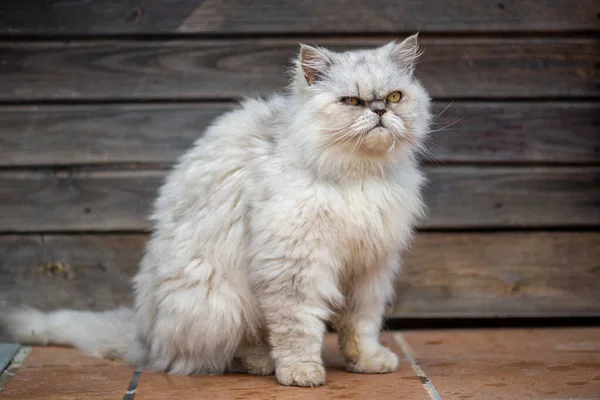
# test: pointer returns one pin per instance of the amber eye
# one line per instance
(394, 97)
(353, 101)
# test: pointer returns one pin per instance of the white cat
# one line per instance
(287, 213)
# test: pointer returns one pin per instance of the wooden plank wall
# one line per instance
(97, 99)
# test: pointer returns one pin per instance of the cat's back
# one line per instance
(216, 174)
(245, 133)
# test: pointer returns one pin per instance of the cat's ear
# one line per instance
(314, 62)
(406, 53)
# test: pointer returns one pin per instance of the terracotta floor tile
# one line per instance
(402, 384)
(511, 364)
(52, 373)
(479, 364)
(63, 356)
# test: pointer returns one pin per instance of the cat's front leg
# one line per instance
(360, 323)
(294, 298)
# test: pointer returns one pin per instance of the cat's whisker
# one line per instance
(445, 127)
(357, 145)
(431, 143)
(438, 115)
(423, 148)
(393, 146)
(432, 157)
(335, 129)
(347, 135)
(344, 138)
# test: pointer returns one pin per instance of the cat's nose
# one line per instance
(378, 107)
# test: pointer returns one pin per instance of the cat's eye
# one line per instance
(352, 101)
(394, 97)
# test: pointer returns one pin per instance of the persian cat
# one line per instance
(286, 214)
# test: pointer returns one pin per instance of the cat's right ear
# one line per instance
(405, 53)
(314, 62)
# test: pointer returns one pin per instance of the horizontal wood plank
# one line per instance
(303, 16)
(224, 69)
(500, 274)
(445, 274)
(457, 197)
(99, 134)
(476, 197)
(85, 271)
(158, 133)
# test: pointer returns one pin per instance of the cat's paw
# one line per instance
(381, 361)
(259, 365)
(301, 374)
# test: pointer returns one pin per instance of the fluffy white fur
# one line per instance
(287, 213)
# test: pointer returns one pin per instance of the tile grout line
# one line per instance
(133, 384)
(408, 353)
(12, 368)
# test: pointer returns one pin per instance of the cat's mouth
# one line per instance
(378, 127)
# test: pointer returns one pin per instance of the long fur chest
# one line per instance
(365, 222)
(349, 224)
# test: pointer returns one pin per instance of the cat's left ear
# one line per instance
(406, 53)
(314, 62)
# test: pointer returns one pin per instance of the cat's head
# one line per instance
(364, 103)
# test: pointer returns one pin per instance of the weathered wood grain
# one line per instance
(305, 16)
(478, 132)
(521, 132)
(102, 201)
(501, 274)
(476, 197)
(99, 134)
(457, 197)
(224, 69)
(445, 274)
(83, 271)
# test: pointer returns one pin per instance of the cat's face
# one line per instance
(365, 103)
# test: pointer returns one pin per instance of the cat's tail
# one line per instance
(108, 334)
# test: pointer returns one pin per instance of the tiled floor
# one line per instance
(463, 364)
